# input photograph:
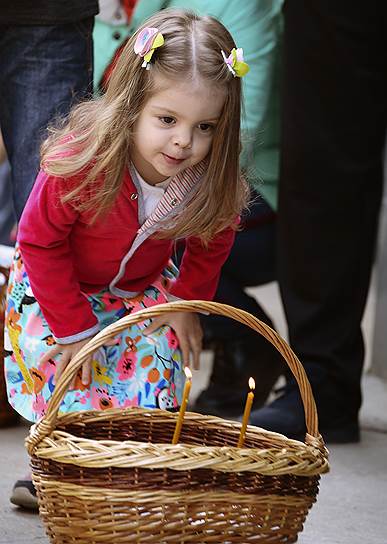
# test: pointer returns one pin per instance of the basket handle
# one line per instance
(47, 424)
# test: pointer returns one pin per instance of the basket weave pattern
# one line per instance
(114, 476)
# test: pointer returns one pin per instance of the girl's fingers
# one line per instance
(112, 342)
(50, 354)
(196, 348)
(86, 372)
(61, 365)
(196, 340)
(185, 351)
(157, 322)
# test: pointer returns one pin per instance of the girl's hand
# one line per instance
(68, 351)
(188, 331)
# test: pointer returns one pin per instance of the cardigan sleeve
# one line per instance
(44, 239)
(200, 267)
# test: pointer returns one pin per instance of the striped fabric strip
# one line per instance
(176, 192)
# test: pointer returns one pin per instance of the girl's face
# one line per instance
(176, 128)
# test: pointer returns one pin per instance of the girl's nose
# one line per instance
(183, 139)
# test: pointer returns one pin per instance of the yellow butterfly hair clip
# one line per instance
(235, 62)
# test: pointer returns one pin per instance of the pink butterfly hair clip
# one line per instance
(147, 41)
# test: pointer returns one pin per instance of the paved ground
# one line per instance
(351, 507)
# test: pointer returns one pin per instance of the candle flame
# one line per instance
(188, 373)
(251, 383)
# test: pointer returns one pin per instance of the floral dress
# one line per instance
(138, 371)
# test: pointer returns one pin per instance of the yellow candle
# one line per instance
(183, 407)
(246, 414)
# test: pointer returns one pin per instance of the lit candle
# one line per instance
(246, 414)
(183, 407)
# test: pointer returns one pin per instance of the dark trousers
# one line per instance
(42, 70)
(7, 215)
(250, 263)
(333, 133)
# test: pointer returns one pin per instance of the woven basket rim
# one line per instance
(189, 418)
(283, 456)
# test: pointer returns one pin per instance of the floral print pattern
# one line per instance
(137, 371)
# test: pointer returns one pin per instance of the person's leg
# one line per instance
(240, 352)
(43, 70)
(7, 214)
(250, 263)
(333, 133)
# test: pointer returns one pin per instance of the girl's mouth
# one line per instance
(172, 160)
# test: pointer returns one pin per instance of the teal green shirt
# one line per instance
(256, 27)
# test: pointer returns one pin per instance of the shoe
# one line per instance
(24, 495)
(8, 418)
(286, 416)
(234, 362)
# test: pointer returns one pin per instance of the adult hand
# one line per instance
(188, 331)
(68, 352)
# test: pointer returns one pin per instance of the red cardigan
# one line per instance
(66, 258)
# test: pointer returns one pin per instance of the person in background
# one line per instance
(238, 352)
(46, 64)
(333, 138)
(46, 61)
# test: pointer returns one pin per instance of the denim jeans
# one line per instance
(7, 216)
(43, 70)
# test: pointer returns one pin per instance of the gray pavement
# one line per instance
(351, 506)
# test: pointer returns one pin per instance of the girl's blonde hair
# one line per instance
(97, 135)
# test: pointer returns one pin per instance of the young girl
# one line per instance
(153, 160)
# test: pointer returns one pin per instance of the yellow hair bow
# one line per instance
(235, 62)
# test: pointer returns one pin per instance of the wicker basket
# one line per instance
(114, 476)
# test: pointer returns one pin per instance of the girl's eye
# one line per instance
(205, 127)
(167, 120)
